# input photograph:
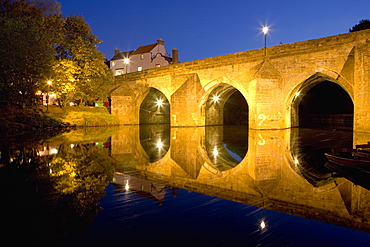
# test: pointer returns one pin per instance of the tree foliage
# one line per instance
(39, 44)
(26, 51)
(362, 25)
(80, 73)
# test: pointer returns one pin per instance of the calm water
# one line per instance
(152, 185)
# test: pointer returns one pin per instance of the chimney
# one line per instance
(116, 51)
(160, 41)
(175, 56)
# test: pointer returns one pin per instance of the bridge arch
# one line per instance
(302, 102)
(154, 108)
(223, 104)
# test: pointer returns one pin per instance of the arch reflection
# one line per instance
(155, 140)
(278, 173)
(308, 153)
(226, 146)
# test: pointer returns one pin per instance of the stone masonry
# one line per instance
(269, 82)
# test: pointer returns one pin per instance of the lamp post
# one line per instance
(47, 95)
(126, 61)
(265, 30)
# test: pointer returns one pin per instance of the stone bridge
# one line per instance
(263, 87)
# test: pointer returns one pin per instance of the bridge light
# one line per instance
(159, 102)
(215, 152)
(216, 98)
(265, 30)
(127, 187)
(296, 161)
(263, 225)
(159, 144)
(297, 94)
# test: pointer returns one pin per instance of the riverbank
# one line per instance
(17, 122)
(82, 116)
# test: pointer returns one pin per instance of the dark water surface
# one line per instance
(156, 186)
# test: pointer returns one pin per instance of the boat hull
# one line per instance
(352, 162)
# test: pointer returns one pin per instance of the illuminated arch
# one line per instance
(307, 81)
(154, 108)
(218, 95)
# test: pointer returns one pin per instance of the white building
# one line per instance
(144, 57)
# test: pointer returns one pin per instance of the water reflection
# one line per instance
(51, 188)
(226, 146)
(64, 181)
(282, 170)
(142, 187)
(308, 147)
(155, 140)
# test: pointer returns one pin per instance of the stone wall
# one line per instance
(269, 83)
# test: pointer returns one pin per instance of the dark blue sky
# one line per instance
(208, 28)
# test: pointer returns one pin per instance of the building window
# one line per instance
(157, 65)
(142, 56)
(119, 72)
(113, 64)
(139, 68)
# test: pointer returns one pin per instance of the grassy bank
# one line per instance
(82, 116)
(19, 122)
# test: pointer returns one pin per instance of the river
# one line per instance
(153, 185)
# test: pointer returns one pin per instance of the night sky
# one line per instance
(208, 28)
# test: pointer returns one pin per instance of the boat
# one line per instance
(353, 164)
(355, 175)
(357, 158)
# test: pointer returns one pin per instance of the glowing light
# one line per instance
(216, 98)
(126, 60)
(296, 161)
(71, 103)
(49, 82)
(265, 30)
(53, 151)
(72, 145)
(297, 94)
(127, 187)
(159, 144)
(159, 102)
(263, 225)
(215, 152)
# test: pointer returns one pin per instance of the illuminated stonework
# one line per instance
(271, 83)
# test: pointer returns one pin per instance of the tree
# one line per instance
(362, 25)
(26, 51)
(80, 73)
(38, 44)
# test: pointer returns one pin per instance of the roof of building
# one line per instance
(144, 49)
(122, 55)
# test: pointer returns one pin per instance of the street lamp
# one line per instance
(265, 30)
(47, 95)
(126, 61)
